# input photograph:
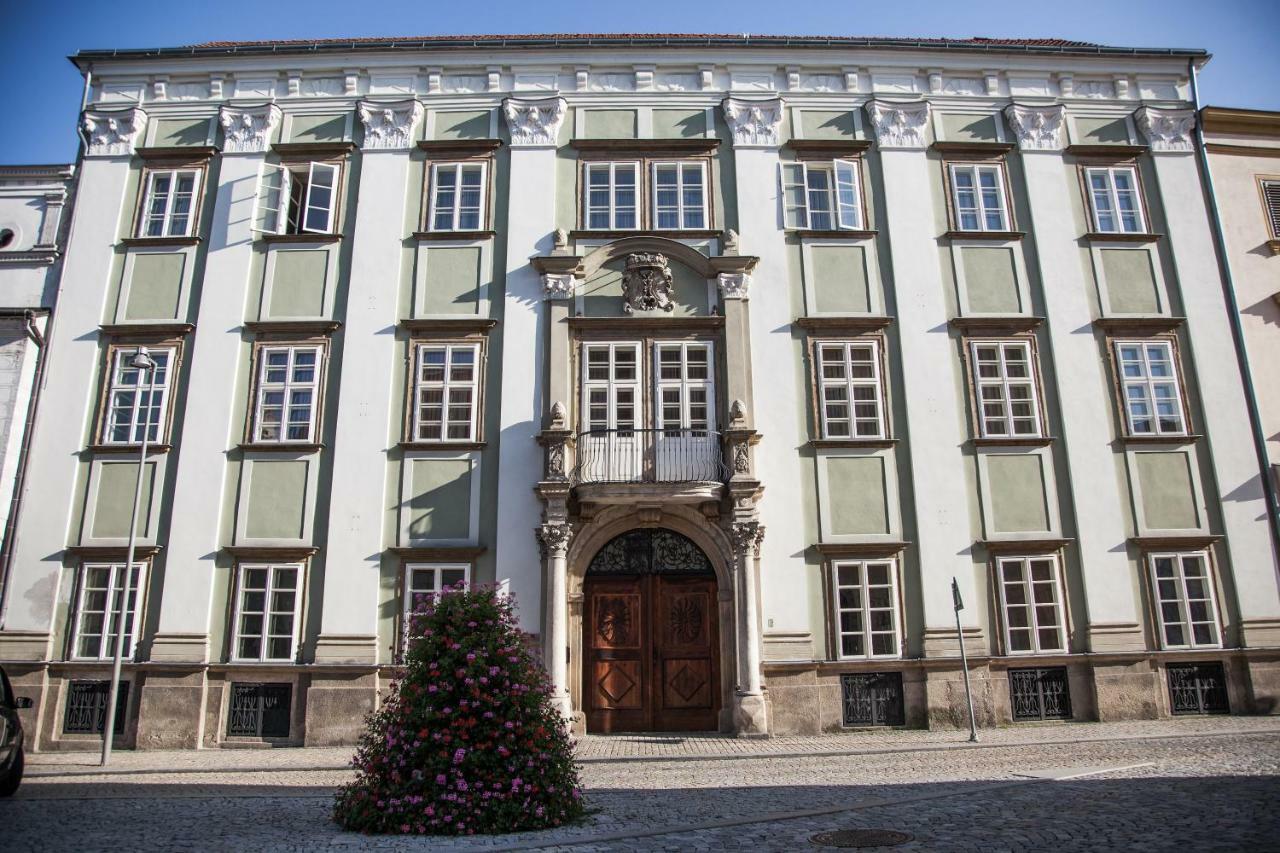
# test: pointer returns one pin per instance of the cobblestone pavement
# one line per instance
(1204, 785)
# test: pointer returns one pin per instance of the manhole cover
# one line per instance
(861, 838)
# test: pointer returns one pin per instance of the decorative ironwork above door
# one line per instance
(650, 551)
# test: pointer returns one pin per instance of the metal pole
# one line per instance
(140, 361)
(964, 660)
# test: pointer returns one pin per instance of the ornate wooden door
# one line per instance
(686, 685)
(618, 661)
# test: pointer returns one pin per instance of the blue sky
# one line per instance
(36, 38)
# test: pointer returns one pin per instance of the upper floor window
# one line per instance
(1149, 387)
(168, 208)
(822, 196)
(1271, 204)
(265, 624)
(423, 584)
(614, 194)
(978, 197)
(1113, 195)
(679, 196)
(285, 407)
(446, 391)
(457, 196)
(850, 389)
(866, 609)
(298, 198)
(611, 196)
(1005, 389)
(1031, 597)
(97, 614)
(1184, 600)
(137, 399)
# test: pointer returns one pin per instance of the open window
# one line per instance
(822, 196)
(297, 198)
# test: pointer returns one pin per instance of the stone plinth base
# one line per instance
(336, 706)
(170, 707)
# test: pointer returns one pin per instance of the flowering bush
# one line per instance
(468, 741)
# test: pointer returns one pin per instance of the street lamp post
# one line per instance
(143, 363)
(964, 659)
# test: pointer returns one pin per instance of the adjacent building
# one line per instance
(726, 356)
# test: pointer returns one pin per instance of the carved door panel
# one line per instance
(686, 689)
(617, 655)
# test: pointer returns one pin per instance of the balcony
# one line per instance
(632, 465)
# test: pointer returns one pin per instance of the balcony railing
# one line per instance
(650, 456)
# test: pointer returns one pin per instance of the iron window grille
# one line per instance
(866, 609)
(872, 699)
(822, 196)
(977, 193)
(1040, 694)
(1031, 595)
(1149, 386)
(87, 707)
(266, 618)
(288, 387)
(1198, 688)
(1115, 200)
(168, 206)
(102, 586)
(131, 404)
(259, 710)
(458, 193)
(850, 389)
(1185, 602)
(1004, 381)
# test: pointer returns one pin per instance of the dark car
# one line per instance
(11, 756)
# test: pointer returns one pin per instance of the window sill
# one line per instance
(974, 146)
(148, 330)
(851, 233)
(1184, 438)
(1012, 441)
(860, 549)
(461, 325)
(453, 235)
(851, 443)
(1021, 546)
(314, 150)
(300, 238)
(1120, 237)
(293, 327)
(824, 148)
(1142, 323)
(1175, 542)
(1106, 150)
(128, 448)
(443, 148)
(281, 446)
(134, 242)
(282, 553)
(186, 153)
(855, 323)
(995, 325)
(1003, 236)
(441, 445)
(672, 234)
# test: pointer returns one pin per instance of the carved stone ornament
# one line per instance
(389, 126)
(555, 462)
(733, 285)
(754, 123)
(899, 124)
(731, 246)
(560, 242)
(746, 537)
(647, 283)
(1167, 130)
(1037, 128)
(559, 416)
(556, 285)
(742, 458)
(111, 134)
(553, 539)
(737, 413)
(533, 122)
(247, 130)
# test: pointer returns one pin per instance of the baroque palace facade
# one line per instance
(724, 355)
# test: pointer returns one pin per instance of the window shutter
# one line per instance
(795, 210)
(1271, 198)
(272, 193)
(848, 211)
(321, 184)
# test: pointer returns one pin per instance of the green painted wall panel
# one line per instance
(452, 284)
(180, 132)
(440, 503)
(610, 124)
(1131, 281)
(116, 482)
(840, 279)
(1168, 493)
(1017, 489)
(969, 128)
(821, 124)
(331, 127)
(991, 280)
(679, 124)
(857, 495)
(467, 124)
(155, 286)
(1102, 130)
(277, 499)
(298, 286)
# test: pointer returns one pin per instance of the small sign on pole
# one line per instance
(964, 659)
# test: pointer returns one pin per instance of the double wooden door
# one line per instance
(652, 653)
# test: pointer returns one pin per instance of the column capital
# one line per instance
(755, 124)
(1038, 128)
(899, 124)
(389, 125)
(1167, 130)
(554, 538)
(746, 537)
(557, 285)
(247, 130)
(733, 285)
(534, 122)
(112, 133)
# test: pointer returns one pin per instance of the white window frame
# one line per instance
(408, 593)
(681, 210)
(167, 215)
(1147, 384)
(685, 384)
(286, 390)
(849, 383)
(114, 589)
(446, 387)
(1183, 601)
(864, 587)
(844, 216)
(265, 635)
(1032, 604)
(981, 209)
(1113, 199)
(456, 209)
(638, 189)
(612, 385)
(275, 195)
(1004, 384)
(120, 355)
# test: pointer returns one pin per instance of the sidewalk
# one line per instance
(668, 747)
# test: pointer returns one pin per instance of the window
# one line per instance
(850, 389)
(288, 386)
(612, 196)
(822, 196)
(424, 583)
(97, 622)
(87, 707)
(679, 196)
(1184, 601)
(978, 196)
(168, 206)
(866, 603)
(297, 199)
(1271, 203)
(1149, 387)
(136, 400)
(457, 197)
(266, 619)
(259, 710)
(684, 387)
(1004, 382)
(445, 392)
(1031, 596)
(611, 387)
(1113, 194)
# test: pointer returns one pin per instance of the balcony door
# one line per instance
(611, 450)
(685, 442)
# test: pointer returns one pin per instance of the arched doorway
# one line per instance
(650, 635)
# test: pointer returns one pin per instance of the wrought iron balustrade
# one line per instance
(669, 455)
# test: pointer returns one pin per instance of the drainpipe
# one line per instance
(1237, 330)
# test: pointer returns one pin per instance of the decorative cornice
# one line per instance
(899, 124)
(733, 285)
(1167, 130)
(112, 133)
(247, 130)
(533, 122)
(1037, 128)
(754, 124)
(389, 126)
(557, 285)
